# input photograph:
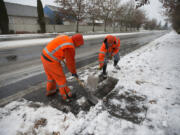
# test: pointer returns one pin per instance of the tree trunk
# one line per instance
(4, 20)
(121, 25)
(126, 27)
(104, 25)
(93, 25)
(113, 25)
(41, 19)
(77, 26)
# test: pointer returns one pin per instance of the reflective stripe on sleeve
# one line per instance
(51, 55)
(56, 49)
(60, 46)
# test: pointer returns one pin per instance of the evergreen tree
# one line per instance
(4, 20)
(41, 19)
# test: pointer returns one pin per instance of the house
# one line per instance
(23, 18)
(96, 22)
(57, 17)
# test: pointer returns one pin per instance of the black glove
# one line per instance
(75, 75)
(110, 57)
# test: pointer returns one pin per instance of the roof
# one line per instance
(53, 8)
(14, 9)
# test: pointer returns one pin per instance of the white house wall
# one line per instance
(30, 25)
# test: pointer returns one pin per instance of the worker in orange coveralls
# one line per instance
(60, 49)
(110, 48)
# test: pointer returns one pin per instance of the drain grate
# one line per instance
(128, 105)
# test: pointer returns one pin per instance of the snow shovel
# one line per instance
(93, 99)
(89, 96)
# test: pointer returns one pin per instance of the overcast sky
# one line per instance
(153, 10)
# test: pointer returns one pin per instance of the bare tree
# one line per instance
(73, 8)
(151, 24)
(93, 11)
(114, 13)
(106, 10)
(120, 16)
(172, 10)
(139, 18)
(129, 13)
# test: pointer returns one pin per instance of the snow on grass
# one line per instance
(22, 116)
(152, 70)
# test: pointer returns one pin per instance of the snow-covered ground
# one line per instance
(152, 71)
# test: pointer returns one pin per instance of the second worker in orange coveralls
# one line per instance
(62, 48)
(110, 48)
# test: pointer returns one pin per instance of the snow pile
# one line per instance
(23, 117)
(151, 72)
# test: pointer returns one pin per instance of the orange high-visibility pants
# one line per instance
(55, 76)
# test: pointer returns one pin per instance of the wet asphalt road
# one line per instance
(14, 61)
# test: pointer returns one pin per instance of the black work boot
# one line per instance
(116, 66)
(73, 96)
(102, 76)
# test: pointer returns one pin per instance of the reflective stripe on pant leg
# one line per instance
(61, 86)
(63, 92)
(50, 80)
(51, 85)
(68, 91)
(69, 94)
(51, 92)
(64, 96)
(59, 77)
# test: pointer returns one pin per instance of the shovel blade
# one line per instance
(92, 82)
(89, 96)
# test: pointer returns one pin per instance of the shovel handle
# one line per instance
(79, 81)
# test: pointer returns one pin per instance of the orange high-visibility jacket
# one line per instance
(108, 52)
(62, 47)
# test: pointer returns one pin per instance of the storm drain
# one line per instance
(80, 103)
(128, 105)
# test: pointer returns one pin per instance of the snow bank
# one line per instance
(41, 41)
(21, 117)
(152, 71)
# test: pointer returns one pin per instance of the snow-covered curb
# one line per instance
(152, 70)
(41, 41)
